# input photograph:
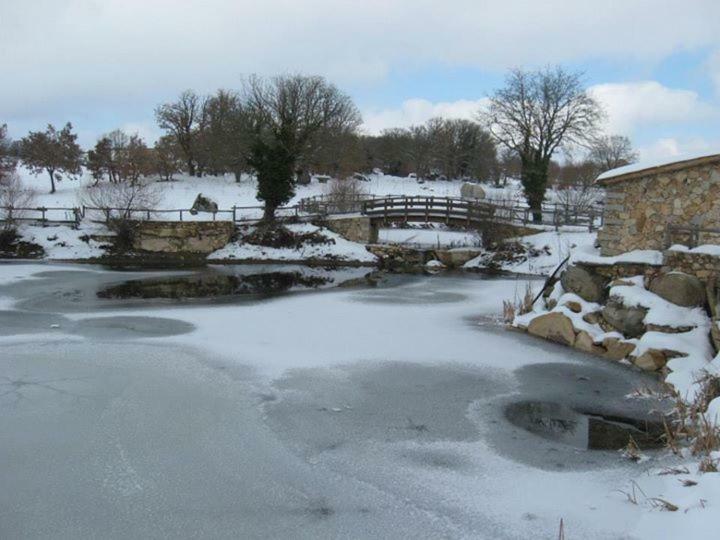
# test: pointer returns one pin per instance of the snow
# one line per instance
(591, 255)
(62, 242)
(706, 249)
(660, 311)
(546, 250)
(658, 162)
(340, 249)
(429, 237)
(226, 192)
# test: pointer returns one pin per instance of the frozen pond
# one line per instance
(325, 405)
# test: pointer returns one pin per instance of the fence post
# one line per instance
(181, 212)
(591, 224)
(234, 210)
(43, 219)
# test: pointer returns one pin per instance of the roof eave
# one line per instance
(651, 171)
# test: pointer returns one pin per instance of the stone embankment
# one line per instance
(646, 314)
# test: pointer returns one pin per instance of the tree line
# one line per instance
(283, 129)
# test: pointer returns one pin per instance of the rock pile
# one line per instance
(647, 320)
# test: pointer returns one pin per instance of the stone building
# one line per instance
(643, 200)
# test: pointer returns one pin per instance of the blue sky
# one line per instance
(104, 64)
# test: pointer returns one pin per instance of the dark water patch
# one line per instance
(126, 327)
(213, 285)
(560, 423)
(437, 459)
(388, 402)
(13, 323)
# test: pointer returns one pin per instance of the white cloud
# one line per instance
(674, 147)
(418, 111)
(53, 51)
(634, 105)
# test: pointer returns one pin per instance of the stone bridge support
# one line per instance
(354, 228)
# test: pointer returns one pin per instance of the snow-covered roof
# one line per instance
(644, 168)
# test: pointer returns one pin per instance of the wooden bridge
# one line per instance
(448, 210)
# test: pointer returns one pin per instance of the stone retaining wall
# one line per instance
(703, 266)
(183, 236)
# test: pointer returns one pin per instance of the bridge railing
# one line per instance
(332, 204)
(428, 209)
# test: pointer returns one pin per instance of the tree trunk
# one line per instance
(238, 176)
(51, 172)
(191, 167)
(269, 212)
(534, 181)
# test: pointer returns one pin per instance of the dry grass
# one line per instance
(689, 427)
(520, 305)
(632, 450)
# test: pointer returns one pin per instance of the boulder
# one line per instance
(651, 360)
(592, 318)
(629, 321)
(616, 349)
(472, 191)
(203, 204)
(573, 306)
(456, 257)
(554, 327)
(680, 289)
(715, 334)
(585, 283)
(584, 342)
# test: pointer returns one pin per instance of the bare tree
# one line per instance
(121, 157)
(288, 116)
(52, 151)
(346, 194)
(166, 158)
(183, 119)
(7, 161)
(122, 200)
(612, 151)
(14, 197)
(224, 139)
(533, 115)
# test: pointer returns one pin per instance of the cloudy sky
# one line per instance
(103, 64)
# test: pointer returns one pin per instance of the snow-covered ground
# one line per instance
(226, 192)
(339, 249)
(348, 413)
(543, 251)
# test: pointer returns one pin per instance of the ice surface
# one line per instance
(348, 413)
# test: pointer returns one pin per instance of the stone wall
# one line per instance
(703, 266)
(638, 209)
(183, 236)
(356, 229)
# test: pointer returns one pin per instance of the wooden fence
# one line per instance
(42, 214)
(389, 208)
(690, 235)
